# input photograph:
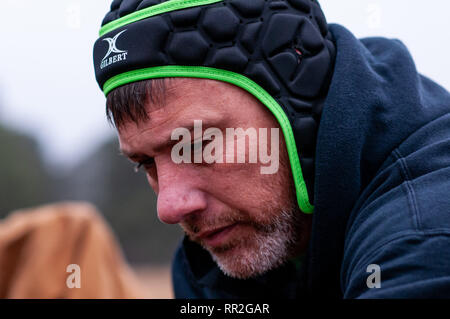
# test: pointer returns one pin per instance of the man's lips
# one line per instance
(215, 237)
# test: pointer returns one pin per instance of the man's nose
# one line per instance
(178, 197)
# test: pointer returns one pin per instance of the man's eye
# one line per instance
(197, 147)
(147, 164)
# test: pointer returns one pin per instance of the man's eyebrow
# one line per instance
(133, 156)
(167, 142)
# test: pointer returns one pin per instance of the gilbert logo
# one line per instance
(120, 56)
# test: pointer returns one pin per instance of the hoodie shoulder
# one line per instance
(383, 163)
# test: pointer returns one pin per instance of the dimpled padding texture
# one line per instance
(284, 46)
(120, 8)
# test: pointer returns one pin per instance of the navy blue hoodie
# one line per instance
(382, 189)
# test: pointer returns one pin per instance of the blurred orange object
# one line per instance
(41, 248)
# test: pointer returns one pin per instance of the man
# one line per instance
(357, 205)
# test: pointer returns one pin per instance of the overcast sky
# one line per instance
(47, 84)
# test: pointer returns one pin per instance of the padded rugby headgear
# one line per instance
(279, 51)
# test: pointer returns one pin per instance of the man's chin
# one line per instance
(243, 262)
(234, 262)
(250, 250)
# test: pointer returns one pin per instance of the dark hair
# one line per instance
(128, 102)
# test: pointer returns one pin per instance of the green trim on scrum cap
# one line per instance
(171, 5)
(240, 81)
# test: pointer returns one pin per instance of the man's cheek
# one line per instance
(270, 155)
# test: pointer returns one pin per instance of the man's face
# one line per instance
(247, 220)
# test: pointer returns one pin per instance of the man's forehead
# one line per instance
(181, 96)
(189, 102)
(177, 88)
(186, 101)
(185, 93)
(215, 103)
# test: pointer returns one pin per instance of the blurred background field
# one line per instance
(104, 179)
(56, 144)
(156, 280)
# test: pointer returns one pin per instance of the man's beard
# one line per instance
(268, 245)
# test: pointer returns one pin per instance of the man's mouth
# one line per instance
(216, 237)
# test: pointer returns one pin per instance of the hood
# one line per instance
(376, 100)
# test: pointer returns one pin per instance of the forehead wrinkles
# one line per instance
(131, 134)
(180, 93)
(185, 98)
(183, 88)
(160, 97)
(204, 98)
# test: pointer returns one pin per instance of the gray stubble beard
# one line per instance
(271, 246)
